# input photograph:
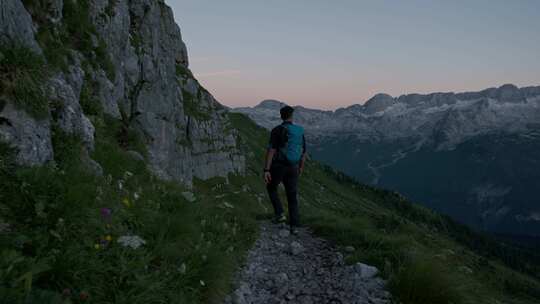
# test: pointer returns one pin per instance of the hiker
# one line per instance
(285, 159)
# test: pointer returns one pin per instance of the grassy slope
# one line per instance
(416, 249)
(192, 249)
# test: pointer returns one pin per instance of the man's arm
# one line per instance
(303, 158)
(269, 156)
(272, 146)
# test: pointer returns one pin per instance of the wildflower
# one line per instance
(83, 296)
(126, 202)
(132, 241)
(106, 213)
(97, 246)
(136, 196)
(120, 185)
(182, 268)
(202, 283)
(108, 238)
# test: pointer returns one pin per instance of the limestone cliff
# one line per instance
(123, 59)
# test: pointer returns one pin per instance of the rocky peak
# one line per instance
(378, 103)
(271, 104)
(510, 93)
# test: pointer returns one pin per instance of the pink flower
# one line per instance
(106, 213)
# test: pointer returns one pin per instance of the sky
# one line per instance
(330, 54)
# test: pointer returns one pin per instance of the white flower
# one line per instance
(132, 241)
(182, 268)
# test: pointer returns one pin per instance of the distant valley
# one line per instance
(473, 156)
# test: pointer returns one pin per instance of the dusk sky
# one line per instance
(329, 54)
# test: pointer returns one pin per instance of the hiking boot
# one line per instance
(279, 219)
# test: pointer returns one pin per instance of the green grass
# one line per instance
(183, 71)
(192, 106)
(22, 75)
(91, 106)
(53, 213)
(425, 281)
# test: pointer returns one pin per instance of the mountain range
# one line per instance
(472, 155)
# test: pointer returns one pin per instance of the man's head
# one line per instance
(286, 113)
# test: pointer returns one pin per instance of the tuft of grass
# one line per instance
(183, 71)
(22, 73)
(91, 106)
(109, 9)
(420, 280)
(55, 51)
(104, 60)
(192, 108)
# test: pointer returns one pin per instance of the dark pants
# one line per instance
(289, 176)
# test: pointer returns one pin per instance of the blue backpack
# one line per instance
(292, 149)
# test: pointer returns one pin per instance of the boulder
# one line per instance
(366, 271)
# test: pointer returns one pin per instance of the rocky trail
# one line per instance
(304, 269)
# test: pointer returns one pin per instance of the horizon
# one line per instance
(393, 96)
(327, 56)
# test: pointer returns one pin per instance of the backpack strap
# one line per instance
(280, 155)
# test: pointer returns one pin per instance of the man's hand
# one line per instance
(267, 177)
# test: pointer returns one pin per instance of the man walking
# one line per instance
(285, 159)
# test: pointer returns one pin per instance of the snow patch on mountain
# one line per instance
(443, 119)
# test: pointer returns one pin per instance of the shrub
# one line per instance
(90, 105)
(22, 73)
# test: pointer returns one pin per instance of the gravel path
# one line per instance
(284, 268)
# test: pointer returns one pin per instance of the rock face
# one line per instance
(141, 77)
(16, 25)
